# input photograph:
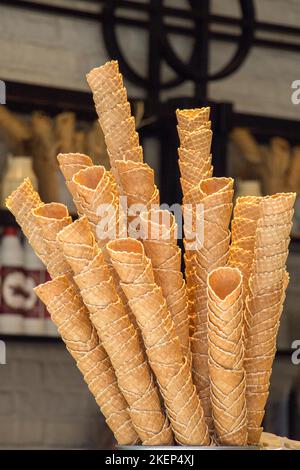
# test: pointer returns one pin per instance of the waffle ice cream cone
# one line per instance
(71, 317)
(161, 342)
(226, 354)
(20, 203)
(214, 196)
(114, 113)
(264, 303)
(244, 225)
(117, 334)
(195, 143)
(70, 164)
(160, 242)
(51, 218)
(191, 119)
(95, 197)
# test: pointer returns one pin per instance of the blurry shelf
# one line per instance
(30, 339)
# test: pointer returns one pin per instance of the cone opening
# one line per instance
(25, 186)
(193, 112)
(74, 159)
(53, 210)
(90, 177)
(129, 245)
(50, 289)
(224, 281)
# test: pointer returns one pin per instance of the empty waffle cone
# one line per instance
(192, 119)
(105, 102)
(52, 218)
(72, 319)
(95, 197)
(70, 164)
(198, 140)
(136, 183)
(20, 203)
(227, 375)
(112, 118)
(161, 342)
(160, 243)
(278, 203)
(97, 76)
(264, 304)
(119, 338)
(215, 195)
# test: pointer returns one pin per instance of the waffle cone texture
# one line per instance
(116, 332)
(114, 113)
(72, 319)
(264, 303)
(161, 342)
(226, 356)
(160, 244)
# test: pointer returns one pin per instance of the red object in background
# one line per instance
(13, 293)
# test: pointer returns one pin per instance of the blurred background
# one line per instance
(240, 58)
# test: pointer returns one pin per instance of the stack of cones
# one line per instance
(194, 164)
(267, 285)
(195, 142)
(116, 333)
(226, 355)
(243, 230)
(215, 196)
(114, 113)
(66, 308)
(20, 203)
(161, 342)
(136, 184)
(51, 218)
(72, 319)
(160, 243)
(121, 305)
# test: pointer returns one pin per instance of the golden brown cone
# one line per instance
(119, 338)
(20, 203)
(114, 113)
(198, 140)
(70, 164)
(244, 225)
(136, 183)
(160, 242)
(192, 119)
(99, 75)
(112, 118)
(264, 303)
(105, 102)
(226, 353)
(194, 164)
(215, 196)
(95, 197)
(162, 345)
(51, 218)
(72, 319)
